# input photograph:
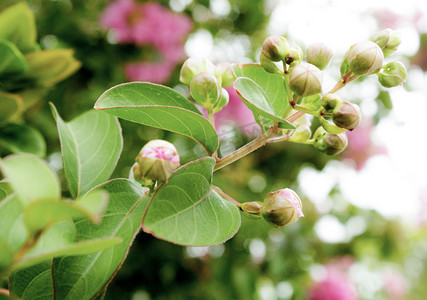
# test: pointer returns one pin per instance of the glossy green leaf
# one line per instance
(5, 189)
(13, 231)
(91, 146)
(161, 107)
(12, 60)
(20, 138)
(42, 213)
(187, 211)
(33, 282)
(82, 277)
(11, 105)
(257, 100)
(30, 177)
(17, 25)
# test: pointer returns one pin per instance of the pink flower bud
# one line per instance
(194, 66)
(346, 115)
(282, 207)
(329, 143)
(364, 58)
(157, 160)
(319, 55)
(275, 48)
(304, 80)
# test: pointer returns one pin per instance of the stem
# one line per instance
(306, 110)
(349, 76)
(279, 138)
(295, 116)
(246, 149)
(224, 195)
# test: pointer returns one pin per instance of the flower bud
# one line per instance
(223, 101)
(253, 208)
(364, 58)
(194, 66)
(224, 74)
(329, 143)
(268, 65)
(157, 160)
(275, 48)
(301, 134)
(282, 207)
(387, 40)
(329, 102)
(394, 74)
(305, 80)
(205, 90)
(346, 115)
(294, 55)
(319, 55)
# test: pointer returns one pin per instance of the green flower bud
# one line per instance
(387, 40)
(319, 55)
(275, 48)
(224, 74)
(394, 74)
(364, 58)
(205, 90)
(294, 56)
(223, 101)
(346, 115)
(304, 80)
(301, 134)
(329, 143)
(268, 65)
(253, 208)
(282, 208)
(329, 102)
(157, 160)
(194, 66)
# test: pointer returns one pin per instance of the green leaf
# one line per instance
(161, 107)
(91, 146)
(11, 105)
(30, 177)
(6, 255)
(12, 60)
(5, 189)
(13, 231)
(187, 211)
(329, 127)
(82, 277)
(17, 25)
(20, 138)
(257, 100)
(33, 281)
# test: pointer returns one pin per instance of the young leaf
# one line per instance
(84, 276)
(30, 177)
(257, 100)
(13, 61)
(13, 231)
(5, 189)
(17, 25)
(21, 138)
(187, 211)
(161, 107)
(91, 146)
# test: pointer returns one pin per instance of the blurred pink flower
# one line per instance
(335, 285)
(237, 113)
(360, 145)
(153, 25)
(395, 285)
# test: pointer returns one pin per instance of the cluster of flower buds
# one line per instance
(156, 161)
(280, 208)
(387, 40)
(344, 114)
(207, 82)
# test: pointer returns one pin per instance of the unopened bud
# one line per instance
(275, 48)
(301, 134)
(346, 115)
(194, 66)
(394, 74)
(294, 55)
(364, 58)
(224, 74)
(305, 80)
(268, 65)
(223, 101)
(329, 143)
(282, 207)
(157, 160)
(387, 40)
(253, 208)
(205, 90)
(329, 102)
(319, 55)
